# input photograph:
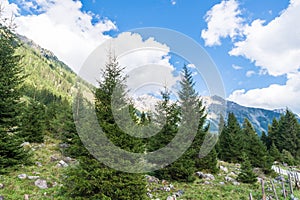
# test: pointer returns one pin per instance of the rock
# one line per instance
(205, 176)
(179, 193)
(173, 197)
(238, 165)
(280, 178)
(38, 164)
(206, 183)
(224, 169)
(1, 185)
(166, 188)
(33, 177)
(222, 183)
(53, 158)
(22, 176)
(235, 183)
(63, 145)
(152, 179)
(149, 195)
(26, 196)
(233, 174)
(62, 163)
(229, 179)
(42, 184)
(25, 144)
(68, 159)
(1, 197)
(171, 186)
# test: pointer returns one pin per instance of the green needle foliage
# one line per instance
(11, 78)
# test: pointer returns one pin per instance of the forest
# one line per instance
(30, 114)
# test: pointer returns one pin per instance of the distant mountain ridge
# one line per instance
(259, 117)
(47, 72)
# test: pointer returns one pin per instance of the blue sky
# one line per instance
(255, 44)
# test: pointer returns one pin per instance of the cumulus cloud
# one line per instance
(62, 27)
(274, 96)
(250, 73)
(237, 67)
(146, 62)
(223, 20)
(274, 47)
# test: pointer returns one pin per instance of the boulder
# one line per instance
(42, 184)
(173, 197)
(33, 177)
(229, 179)
(22, 176)
(224, 169)
(205, 176)
(53, 158)
(62, 163)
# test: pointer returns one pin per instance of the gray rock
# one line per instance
(63, 145)
(179, 193)
(53, 158)
(62, 163)
(25, 144)
(1, 197)
(33, 177)
(22, 176)
(38, 164)
(224, 169)
(173, 197)
(1, 185)
(206, 183)
(68, 159)
(222, 183)
(26, 196)
(42, 184)
(152, 179)
(229, 179)
(235, 183)
(205, 176)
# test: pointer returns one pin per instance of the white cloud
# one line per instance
(274, 96)
(237, 67)
(146, 63)
(274, 47)
(62, 27)
(7, 12)
(250, 73)
(192, 66)
(223, 20)
(173, 2)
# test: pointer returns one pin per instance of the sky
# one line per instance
(255, 45)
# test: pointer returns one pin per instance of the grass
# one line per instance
(15, 188)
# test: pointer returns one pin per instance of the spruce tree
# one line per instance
(92, 179)
(33, 122)
(254, 148)
(246, 174)
(231, 141)
(11, 78)
(274, 153)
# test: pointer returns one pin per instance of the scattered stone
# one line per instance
(166, 188)
(149, 195)
(222, 183)
(229, 179)
(235, 183)
(285, 165)
(54, 184)
(206, 183)
(33, 177)
(25, 144)
(238, 165)
(62, 163)
(173, 197)
(22, 176)
(205, 176)
(224, 169)
(68, 159)
(1, 185)
(63, 145)
(1, 197)
(42, 184)
(152, 179)
(179, 193)
(171, 186)
(53, 158)
(38, 164)
(26, 196)
(233, 174)
(280, 178)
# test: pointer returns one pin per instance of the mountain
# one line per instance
(47, 73)
(260, 118)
